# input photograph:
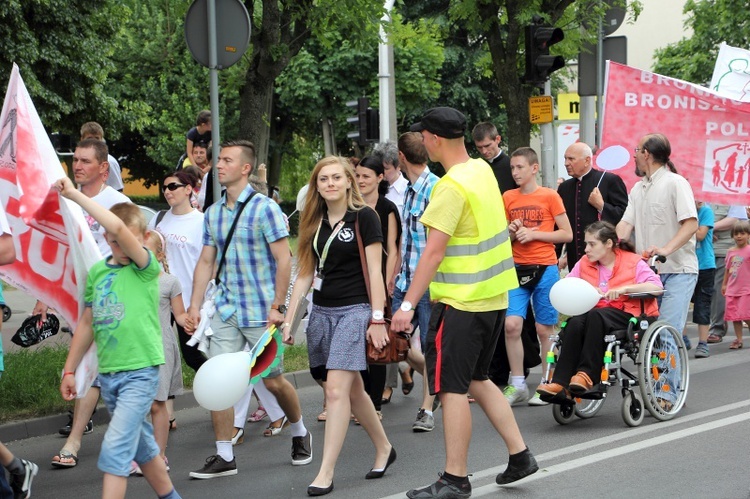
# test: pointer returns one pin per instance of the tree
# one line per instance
(712, 22)
(497, 27)
(160, 89)
(64, 62)
(280, 29)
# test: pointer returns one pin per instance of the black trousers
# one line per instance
(583, 343)
(374, 380)
(193, 357)
(500, 367)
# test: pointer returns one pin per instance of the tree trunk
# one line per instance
(256, 104)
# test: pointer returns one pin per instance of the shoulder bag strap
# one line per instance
(363, 260)
(362, 257)
(231, 233)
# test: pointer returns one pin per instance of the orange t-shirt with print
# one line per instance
(537, 211)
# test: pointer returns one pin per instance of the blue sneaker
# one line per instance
(686, 340)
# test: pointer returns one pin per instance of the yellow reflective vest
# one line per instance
(478, 267)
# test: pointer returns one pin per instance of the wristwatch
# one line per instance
(406, 306)
(377, 315)
(281, 308)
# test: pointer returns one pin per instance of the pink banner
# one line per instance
(709, 134)
(49, 265)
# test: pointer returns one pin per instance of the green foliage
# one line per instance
(161, 89)
(64, 62)
(712, 22)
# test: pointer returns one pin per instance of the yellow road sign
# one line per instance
(540, 110)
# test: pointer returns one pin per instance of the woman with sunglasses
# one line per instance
(182, 228)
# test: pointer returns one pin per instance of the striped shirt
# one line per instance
(247, 281)
(414, 236)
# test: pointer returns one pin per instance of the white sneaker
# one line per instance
(516, 396)
(535, 400)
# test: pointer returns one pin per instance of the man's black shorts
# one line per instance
(460, 346)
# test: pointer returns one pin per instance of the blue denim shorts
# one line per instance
(129, 437)
(544, 312)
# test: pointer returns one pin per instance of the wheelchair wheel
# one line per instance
(586, 409)
(663, 372)
(632, 409)
(564, 413)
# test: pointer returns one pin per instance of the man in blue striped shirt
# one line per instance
(253, 284)
(413, 160)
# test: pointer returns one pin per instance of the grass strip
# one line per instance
(29, 387)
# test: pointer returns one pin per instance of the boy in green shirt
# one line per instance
(121, 316)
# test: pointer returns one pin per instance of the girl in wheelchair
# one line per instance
(615, 270)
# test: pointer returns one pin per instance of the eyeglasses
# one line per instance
(638, 149)
(172, 186)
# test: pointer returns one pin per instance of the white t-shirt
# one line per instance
(107, 197)
(184, 237)
(397, 193)
(115, 174)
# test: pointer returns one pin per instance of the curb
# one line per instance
(49, 425)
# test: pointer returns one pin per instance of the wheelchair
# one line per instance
(660, 372)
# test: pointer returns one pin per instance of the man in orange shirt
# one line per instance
(532, 212)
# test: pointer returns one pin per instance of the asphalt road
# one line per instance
(701, 453)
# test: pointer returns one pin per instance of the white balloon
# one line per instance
(573, 296)
(222, 380)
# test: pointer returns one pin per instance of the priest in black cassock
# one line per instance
(589, 196)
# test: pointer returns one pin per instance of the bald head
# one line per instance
(578, 159)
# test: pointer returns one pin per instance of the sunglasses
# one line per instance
(172, 186)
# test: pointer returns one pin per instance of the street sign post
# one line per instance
(204, 40)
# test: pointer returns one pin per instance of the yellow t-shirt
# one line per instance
(449, 212)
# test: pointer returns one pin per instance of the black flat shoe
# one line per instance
(379, 474)
(319, 491)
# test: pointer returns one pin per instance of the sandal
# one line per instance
(272, 430)
(323, 415)
(736, 345)
(259, 414)
(172, 424)
(57, 461)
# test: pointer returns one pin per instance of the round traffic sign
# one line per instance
(231, 40)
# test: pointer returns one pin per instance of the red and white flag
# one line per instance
(709, 133)
(54, 245)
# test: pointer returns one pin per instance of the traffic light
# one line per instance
(539, 64)
(366, 121)
(359, 121)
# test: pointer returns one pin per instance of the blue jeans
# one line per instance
(673, 308)
(422, 310)
(129, 437)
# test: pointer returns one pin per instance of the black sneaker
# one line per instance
(21, 484)
(302, 450)
(65, 430)
(442, 489)
(215, 467)
(520, 466)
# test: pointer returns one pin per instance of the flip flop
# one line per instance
(64, 454)
(736, 345)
